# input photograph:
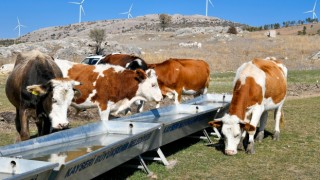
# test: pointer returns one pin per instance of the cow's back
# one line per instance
(30, 68)
(194, 73)
(276, 78)
(125, 60)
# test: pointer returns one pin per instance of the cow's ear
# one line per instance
(141, 75)
(151, 73)
(247, 127)
(37, 90)
(215, 123)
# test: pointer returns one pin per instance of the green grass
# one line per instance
(305, 76)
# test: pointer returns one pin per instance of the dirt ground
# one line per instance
(90, 115)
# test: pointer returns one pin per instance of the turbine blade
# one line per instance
(130, 7)
(308, 11)
(315, 3)
(211, 3)
(82, 1)
(124, 13)
(74, 3)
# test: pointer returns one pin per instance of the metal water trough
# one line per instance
(90, 150)
(184, 119)
(14, 168)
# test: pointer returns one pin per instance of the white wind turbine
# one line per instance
(19, 27)
(129, 12)
(80, 8)
(313, 11)
(207, 4)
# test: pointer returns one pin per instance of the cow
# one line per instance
(177, 77)
(125, 60)
(37, 89)
(259, 85)
(112, 88)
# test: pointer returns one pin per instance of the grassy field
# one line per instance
(295, 156)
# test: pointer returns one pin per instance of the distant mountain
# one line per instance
(147, 23)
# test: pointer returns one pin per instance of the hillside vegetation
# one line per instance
(144, 37)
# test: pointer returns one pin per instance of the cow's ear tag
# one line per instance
(35, 93)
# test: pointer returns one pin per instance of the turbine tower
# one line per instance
(207, 4)
(80, 8)
(129, 12)
(19, 27)
(313, 11)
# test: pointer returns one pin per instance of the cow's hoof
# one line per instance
(250, 149)
(276, 136)
(260, 136)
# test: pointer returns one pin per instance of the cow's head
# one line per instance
(148, 86)
(55, 97)
(232, 128)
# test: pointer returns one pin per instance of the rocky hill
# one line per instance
(197, 37)
(147, 23)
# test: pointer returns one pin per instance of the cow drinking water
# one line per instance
(260, 85)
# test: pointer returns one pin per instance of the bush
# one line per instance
(232, 30)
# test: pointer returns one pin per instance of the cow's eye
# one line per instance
(153, 85)
(237, 135)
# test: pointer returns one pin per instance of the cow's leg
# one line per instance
(263, 123)
(18, 124)
(17, 121)
(177, 96)
(240, 145)
(140, 106)
(24, 132)
(278, 116)
(256, 114)
(105, 112)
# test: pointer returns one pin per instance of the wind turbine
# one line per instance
(207, 3)
(129, 12)
(80, 8)
(19, 26)
(313, 11)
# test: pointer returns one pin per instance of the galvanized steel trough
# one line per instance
(90, 150)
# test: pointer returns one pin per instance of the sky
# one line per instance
(36, 14)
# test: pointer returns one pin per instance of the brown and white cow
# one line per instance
(36, 85)
(182, 76)
(112, 88)
(127, 61)
(260, 85)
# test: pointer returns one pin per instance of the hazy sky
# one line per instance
(35, 14)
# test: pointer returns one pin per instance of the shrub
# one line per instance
(232, 30)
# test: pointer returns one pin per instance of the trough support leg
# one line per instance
(161, 158)
(207, 136)
(216, 133)
(144, 166)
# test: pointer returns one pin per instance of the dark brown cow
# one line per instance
(36, 85)
(182, 76)
(125, 60)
